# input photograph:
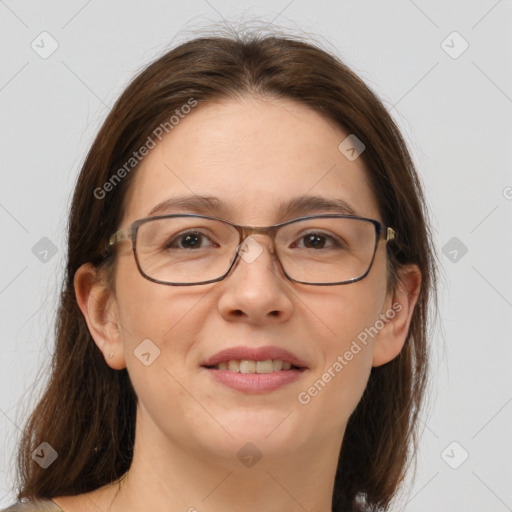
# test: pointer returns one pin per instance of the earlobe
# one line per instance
(398, 310)
(98, 306)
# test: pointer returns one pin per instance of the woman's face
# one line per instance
(255, 156)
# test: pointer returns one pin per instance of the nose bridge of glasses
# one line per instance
(268, 232)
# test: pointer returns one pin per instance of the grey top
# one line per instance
(41, 505)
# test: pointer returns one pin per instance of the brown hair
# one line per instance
(87, 412)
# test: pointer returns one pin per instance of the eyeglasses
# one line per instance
(189, 249)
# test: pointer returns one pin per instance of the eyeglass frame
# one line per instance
(381, 232)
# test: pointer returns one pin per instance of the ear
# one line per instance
(396, 315)
(99, 307)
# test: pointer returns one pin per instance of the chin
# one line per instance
(270, 429)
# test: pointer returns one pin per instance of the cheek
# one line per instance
(334, 393)
(347, 317)
(347, 311)
(166, 315)
(145, 308)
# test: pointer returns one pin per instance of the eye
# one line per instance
(186, 240)
(315, 240)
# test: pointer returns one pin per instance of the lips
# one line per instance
(254, 354)
(237, 369)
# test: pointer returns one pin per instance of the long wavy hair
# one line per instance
(87, 410)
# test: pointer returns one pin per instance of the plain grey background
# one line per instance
(454, 106)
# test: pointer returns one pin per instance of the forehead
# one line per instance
(256, 160)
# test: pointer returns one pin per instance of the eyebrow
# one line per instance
(214, 206)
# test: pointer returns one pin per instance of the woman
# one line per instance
(202, 364)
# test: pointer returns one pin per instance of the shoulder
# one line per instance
(41, 505)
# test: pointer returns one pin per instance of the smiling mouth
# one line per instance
(249, 366)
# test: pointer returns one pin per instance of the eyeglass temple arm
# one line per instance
(388, 234)
(118, 236)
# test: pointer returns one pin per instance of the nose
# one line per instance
(256, 290)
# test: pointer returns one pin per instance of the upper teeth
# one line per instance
(247, 366)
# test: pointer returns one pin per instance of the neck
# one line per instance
(170, 476)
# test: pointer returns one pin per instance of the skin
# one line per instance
(252, 153)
